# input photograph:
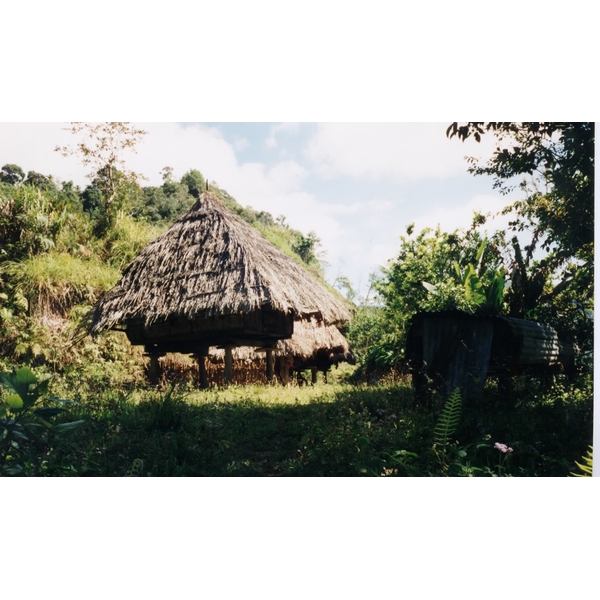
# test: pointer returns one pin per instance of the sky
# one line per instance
(356, 185)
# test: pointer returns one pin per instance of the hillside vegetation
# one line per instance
(57, 257)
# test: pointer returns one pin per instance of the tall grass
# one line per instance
(56, 281)
(126, 239)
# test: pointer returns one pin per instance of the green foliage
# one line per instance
(30, 221)
(561, 156)
(124, 240)
(376, 340)
(12, 174)
(433, 270)
(342, 283)
(447, 426)
(430, 258)
(306, 247)
(195, 183)
(137, 468)
(586, 468)
(162, 205)
(25, 425)
(55, 282)
(482, 291)
(40, 181)
(321, 430)
(448, 420)
(555, 162)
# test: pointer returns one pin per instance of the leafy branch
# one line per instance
(22, 419)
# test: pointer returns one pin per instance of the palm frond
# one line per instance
(587, 467)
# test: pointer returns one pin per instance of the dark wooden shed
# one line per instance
(455, 349)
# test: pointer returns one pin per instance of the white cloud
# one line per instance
(460, 216)
(31, 146)
(395, 151)
(285, 128)
(287, 175)
(289, 128)
(381, 253)
(241, 144)
(182, 148)
(370, 206)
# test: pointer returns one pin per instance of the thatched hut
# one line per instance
(213, 280)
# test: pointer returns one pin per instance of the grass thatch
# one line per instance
(211, 263)
(311, 337)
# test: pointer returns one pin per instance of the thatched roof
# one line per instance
(211, 263)
(309, 339)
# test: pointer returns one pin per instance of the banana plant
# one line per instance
(486, 296)
(482, 297)
(483, 291)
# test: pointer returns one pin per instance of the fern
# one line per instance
(449, 419)
(587, 467)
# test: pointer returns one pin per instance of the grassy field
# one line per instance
(335, 429)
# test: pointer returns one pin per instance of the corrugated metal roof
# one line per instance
(537, 343)
(515, 341)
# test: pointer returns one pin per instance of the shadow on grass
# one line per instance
(354, 432)
(350, 434)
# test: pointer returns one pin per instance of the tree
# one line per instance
(306, 247)
(167, 174)
(555, 162)
(12, 174)
(195, 183)
(343, 284)
(40, 181)
(163, 204)
(558, 159)
(432, 271)
(102, 150)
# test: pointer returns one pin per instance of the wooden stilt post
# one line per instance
(153, 367)
(202, 372)
(313, 375)
(200, 357)
(285, 370)
(270, 359)
(228, 375)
